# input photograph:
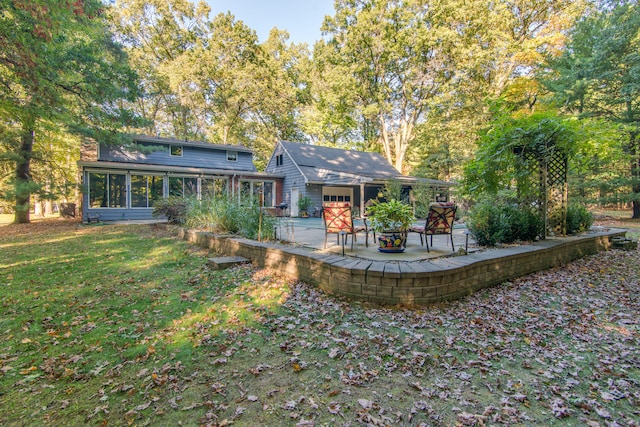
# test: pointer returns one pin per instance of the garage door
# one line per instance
(337, 194)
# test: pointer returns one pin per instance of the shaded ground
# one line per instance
(248, 347)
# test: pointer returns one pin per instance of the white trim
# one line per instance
(175, 169)
(306, 180)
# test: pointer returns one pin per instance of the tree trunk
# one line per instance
(634, 145)
(23, 175)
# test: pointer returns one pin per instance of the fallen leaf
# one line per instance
(334, 408)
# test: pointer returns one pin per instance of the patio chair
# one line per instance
(337, 218)
(439, 221)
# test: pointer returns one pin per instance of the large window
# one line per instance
(107, 190)
(145, 190)
(261, 190)
(183, 186)
(211, 188)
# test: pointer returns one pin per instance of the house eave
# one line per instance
(359, 179)
(201, 144)
(174, 169)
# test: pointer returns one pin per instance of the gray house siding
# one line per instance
(192, 156)
(123, 185)
(294, 179)
(310, 171)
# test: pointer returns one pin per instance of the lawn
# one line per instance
(124, 325)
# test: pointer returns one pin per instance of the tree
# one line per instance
(58, 64)
(529, 156)
(217, 75)
(599, 76)
(280, 76)
(159, 37)
(408, 70)
(506, 44)
(401, 55)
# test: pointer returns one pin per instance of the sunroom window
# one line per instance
(107, 190)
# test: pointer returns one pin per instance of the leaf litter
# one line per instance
(560, 347)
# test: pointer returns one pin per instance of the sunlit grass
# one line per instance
(117, 325)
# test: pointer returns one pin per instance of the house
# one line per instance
(124, 183)
(330, 174)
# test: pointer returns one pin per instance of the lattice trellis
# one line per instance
(547, 176)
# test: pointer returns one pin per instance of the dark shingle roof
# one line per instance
(312, 158)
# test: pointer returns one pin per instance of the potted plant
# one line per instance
(390, 220)
(304, 203)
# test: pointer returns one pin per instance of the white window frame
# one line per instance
(251, 189)
(232, 157)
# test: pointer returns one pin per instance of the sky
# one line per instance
(301, 18)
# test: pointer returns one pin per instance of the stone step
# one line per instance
(223, 262)
(624, 243)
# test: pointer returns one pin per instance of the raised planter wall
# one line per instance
(411, 282)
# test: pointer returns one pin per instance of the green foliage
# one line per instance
(392, 215)
(500, 220)
(391, 190)
(228, 215)
(597, 76)
(304, 203)
(219, 215)
(422, 194)
(60, 71)
(173, 208)
(497, 166)
(579, 219)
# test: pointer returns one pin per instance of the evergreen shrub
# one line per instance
(579, 219)
(496, 220)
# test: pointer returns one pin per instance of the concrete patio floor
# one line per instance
(309, 233)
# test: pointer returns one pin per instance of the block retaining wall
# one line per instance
(410, 282)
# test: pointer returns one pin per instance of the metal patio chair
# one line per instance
(439, 222)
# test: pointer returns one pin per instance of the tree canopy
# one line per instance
(598, 76)
(414, 80)
(59, 69)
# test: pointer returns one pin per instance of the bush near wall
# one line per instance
(579, 219)
(229, 216)
(495, 220)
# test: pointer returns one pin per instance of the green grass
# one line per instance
(126, 325)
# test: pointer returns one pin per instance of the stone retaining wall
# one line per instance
(411, 282)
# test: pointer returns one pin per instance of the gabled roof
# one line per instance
(334, 166)
(316, 162)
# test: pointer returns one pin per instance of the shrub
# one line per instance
(579, 219)
(494, 221)
(173, 208)
(219, 215)
(228, 215)
(483, 222)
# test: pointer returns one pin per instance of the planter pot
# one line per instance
(391, 242)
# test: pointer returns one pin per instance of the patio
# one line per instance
(309, 233)
(413, 277)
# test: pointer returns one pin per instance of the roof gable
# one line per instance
(371, 165)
